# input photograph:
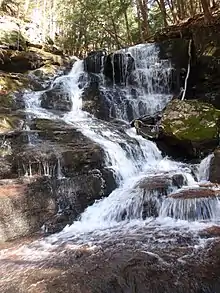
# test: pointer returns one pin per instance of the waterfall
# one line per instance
(131, 157)
(204, 166)
(147, 88)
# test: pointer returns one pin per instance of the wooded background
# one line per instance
(79, 26)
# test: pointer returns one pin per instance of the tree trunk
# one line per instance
(144, 13)
(192, 8)
(125, 7)
(206, 10)
(113, 25)
(163, 11)
(182, 9)
(141, 37)
(173, 11)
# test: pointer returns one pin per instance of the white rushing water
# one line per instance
(130, 156)
(149, 92)
(203, 172)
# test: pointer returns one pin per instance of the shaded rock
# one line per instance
(118, 67)
(94, 62)
(57, 98)
(19, 61)
(95, 101)
(6, 167)
(205, 73)
(148, 119)
(75, 194)
(176, 51)
(58, 222)
(24, 207)
(190, 126)
(214, 171)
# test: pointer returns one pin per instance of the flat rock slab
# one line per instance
(192, 193)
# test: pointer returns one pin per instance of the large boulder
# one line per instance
(57, 98)
(19, 61)
(190, 128)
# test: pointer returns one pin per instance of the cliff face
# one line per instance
(203, 82)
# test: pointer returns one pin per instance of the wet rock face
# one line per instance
(190, 126)
(24, 207)
(176, 50)
(214, 173)
(56, 98)
(115, 267)
(95, 101)
(72, 165)
(94, 62)
(210, 232)
(118, 67)
(161, 183)
(205, 73)
(149, 194)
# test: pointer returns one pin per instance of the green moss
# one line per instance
(191, 120)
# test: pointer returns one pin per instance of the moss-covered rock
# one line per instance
(191, 120)
(191, 125)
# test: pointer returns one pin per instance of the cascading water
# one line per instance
(146, 91)
(127, 209)
(203, 172)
